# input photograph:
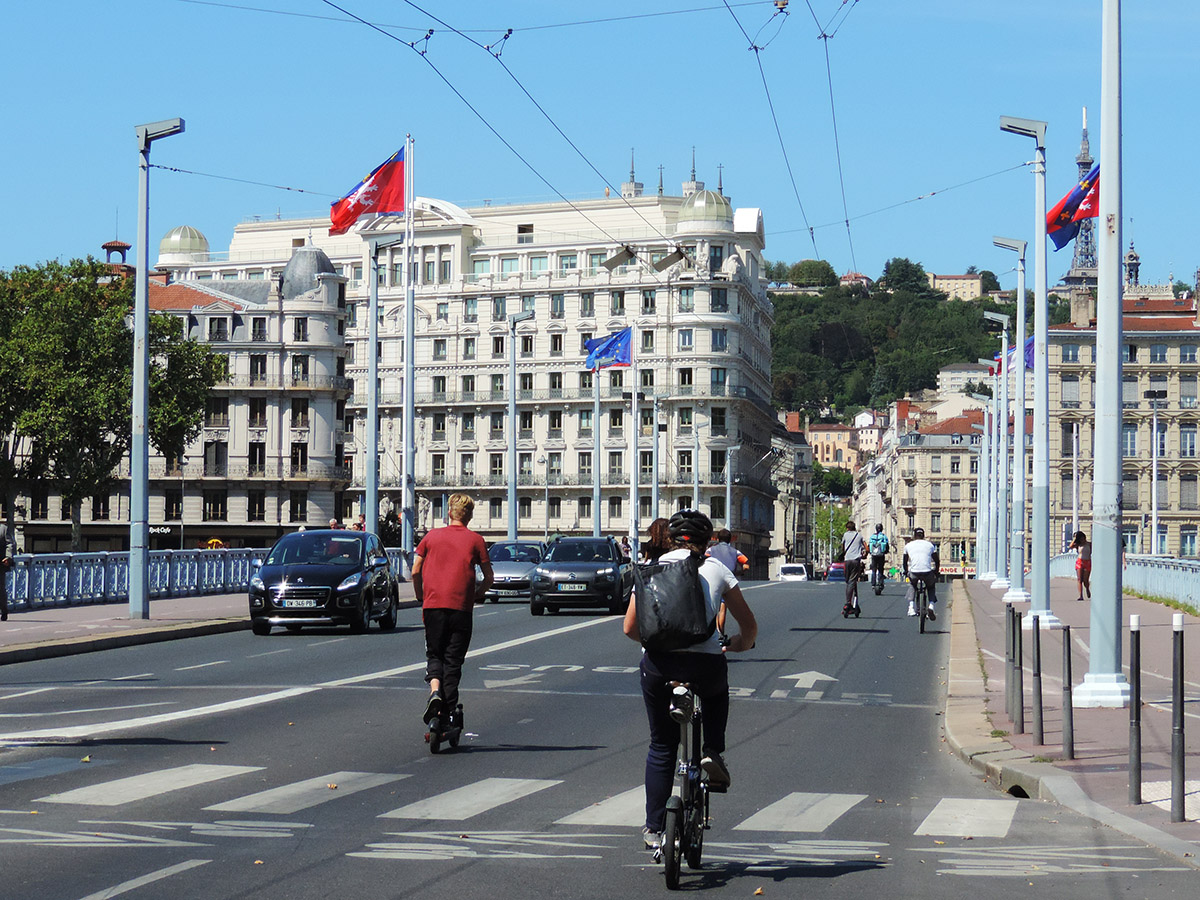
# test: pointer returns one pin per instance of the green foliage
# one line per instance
(845, 349)
(990, 281)
(837, 482)
(1179, 288)
(67, 367)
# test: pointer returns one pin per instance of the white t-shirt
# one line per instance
(920, 555)
(716, 580)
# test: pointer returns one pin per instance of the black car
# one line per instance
(327, 577)
(582, 571)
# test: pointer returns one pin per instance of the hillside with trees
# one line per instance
(838, 349)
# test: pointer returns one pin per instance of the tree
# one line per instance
(69, 356)
(812, 273)
(990, 281)
(900, 274)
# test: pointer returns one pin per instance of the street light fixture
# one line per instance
(1039, 571)
(513, 319)
(1154, 397)
(139, 447)
(1016, 550)
(622, 256)
(1002, 495)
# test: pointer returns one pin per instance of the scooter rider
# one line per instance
(878, 547)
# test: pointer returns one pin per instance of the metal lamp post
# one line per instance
(139, 448)
(1039, 570)
(542, 461)
(1016, 549)
(1003, 489)
(512, 418)
(729, 452)
(1154, 397)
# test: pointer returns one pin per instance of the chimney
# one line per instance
(1082, 309)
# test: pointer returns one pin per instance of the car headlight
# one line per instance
(349, 582)
(257, 584)
(609, 571)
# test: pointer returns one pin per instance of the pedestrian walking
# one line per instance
(443, 576)
(1083, 564)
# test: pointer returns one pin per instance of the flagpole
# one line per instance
(635, 425)
(408, 481)
(371, 482)
(596, 452)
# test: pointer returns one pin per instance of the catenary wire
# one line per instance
(278, 187)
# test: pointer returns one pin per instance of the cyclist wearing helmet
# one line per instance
(702, 665)
(921, 562)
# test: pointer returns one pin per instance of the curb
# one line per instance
(152, 634)
(969, 735)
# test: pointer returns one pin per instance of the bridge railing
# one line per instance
(1147, 576)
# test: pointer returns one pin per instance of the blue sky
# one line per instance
(311, 100)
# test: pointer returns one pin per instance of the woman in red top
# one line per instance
(443, 576)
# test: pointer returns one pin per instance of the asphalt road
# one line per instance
(294, 766)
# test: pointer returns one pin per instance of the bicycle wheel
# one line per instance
(695, 829)
(923, 599)
(670, 843)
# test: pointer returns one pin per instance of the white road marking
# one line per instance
(969, 818)
(26, 693)
(472, 654)
(158, 875)
(220, 662)
(291, 798)
(41, 714)
(626, 808)
(801, 812)
(472, 799)
(150, 784)
(129, 677)
(85, 731)
(269, 653)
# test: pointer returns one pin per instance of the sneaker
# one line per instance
(433, 709)
(929, 614)
(651, 839)
(912, 609)
(718, 774)
(681, 704)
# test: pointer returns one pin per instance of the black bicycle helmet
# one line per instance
(878, 528)
(690, 526)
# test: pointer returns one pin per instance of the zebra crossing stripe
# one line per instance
(471, 800)
(291, 798)
(627, 808)
(970, 818)
(801, 812)
(139, 787)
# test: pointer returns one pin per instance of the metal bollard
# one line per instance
(1008, 661)
(1036, 634)
(1019, 673)
(1177, 781)
(1068, 726)
(1135, 710)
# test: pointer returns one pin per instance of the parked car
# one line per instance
(513, 563)
(582, 572)
(325, 577)
(793, 572)
(836, 572)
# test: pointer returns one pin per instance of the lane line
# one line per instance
(956, 817)
(149, 878)
(29, 693)
(128, 677)
(801, 812)
(149, 784)
(42, 714)
(472, 799)
(220, 662)
(291, 798)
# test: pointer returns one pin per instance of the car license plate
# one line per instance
(572, 586)
(507, 593)
(300, 603)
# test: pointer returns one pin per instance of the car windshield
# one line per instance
(579, 551)
(325, 549)
(526, 553)
(792, 570)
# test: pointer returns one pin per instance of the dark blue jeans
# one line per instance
(708, 674)
(447, 637)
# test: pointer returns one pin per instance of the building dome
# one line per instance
(183, 244)
(300, 274)
(705, 211)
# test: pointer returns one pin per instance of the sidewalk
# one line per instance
(1096, 782)
(65, 630)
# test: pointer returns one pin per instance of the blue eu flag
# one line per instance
(613, 350)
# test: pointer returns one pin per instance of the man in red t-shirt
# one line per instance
(443, 576)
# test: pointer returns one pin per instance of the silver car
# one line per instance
(513, 563)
